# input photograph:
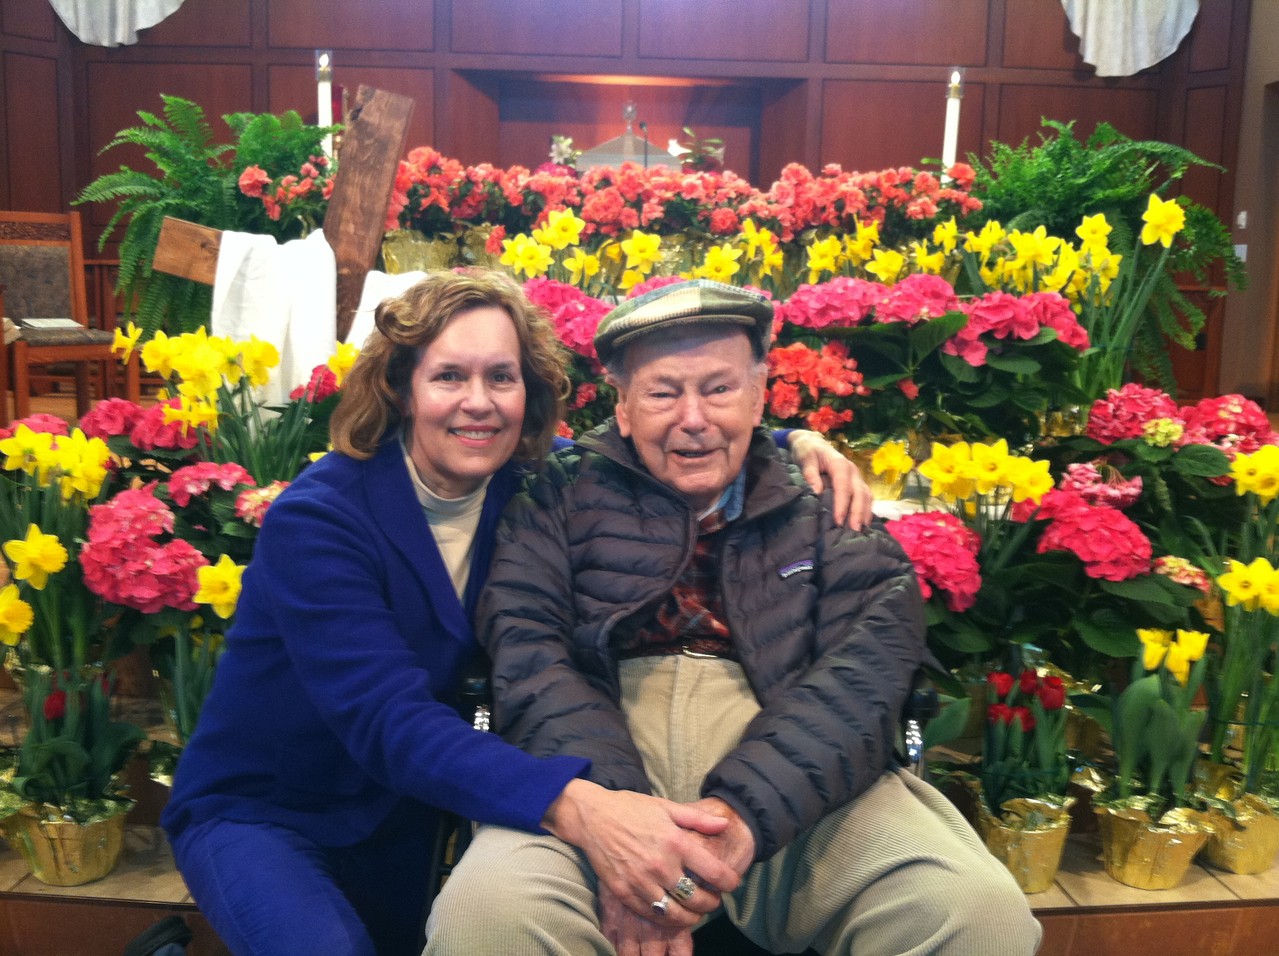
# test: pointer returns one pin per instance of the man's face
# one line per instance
(689, 403)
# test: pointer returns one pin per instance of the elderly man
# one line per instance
(669, 600)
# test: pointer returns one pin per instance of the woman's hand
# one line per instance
(640, 846)
(850, 495)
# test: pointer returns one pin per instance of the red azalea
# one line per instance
(826, 419)
(783, 399)
(253, 182)
(999, 684)
(55, 705)
(585, 394)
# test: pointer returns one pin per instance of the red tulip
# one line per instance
(1029, 682)
(1023, 715)
(55, 705)
(999, 713)
(999, 684)
(1052, 693)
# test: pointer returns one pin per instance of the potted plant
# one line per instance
(273, 179)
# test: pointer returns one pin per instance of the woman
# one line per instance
(301, 814)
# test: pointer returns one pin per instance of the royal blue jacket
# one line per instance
(330, 701)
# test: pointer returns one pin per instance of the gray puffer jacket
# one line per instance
(828, 625)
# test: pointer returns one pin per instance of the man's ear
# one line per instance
(619, 407)
(761, 391)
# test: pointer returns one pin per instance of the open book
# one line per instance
(49, 323)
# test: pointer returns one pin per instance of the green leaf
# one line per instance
(1009, 362)
(949, 723)
(1202, 461)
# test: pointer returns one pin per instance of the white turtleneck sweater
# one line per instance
(453, 522)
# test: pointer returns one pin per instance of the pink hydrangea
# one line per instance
(252, 504)
(151, 431)
(1110, 544)
(916, 298)
(944, 552)
(190, 481)
(124, 562)
(111, 417)
(1123, 413)
(1052, 310)
(840, 302)
(574, 314)
(1230, 422)
(1111, 490)
(39, 422)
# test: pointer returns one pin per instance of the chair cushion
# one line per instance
(37, 280)
(40, 338)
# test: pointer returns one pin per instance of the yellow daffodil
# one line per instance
(1034, 249)
(991, 235)
(948, 470)
(630, 279)
(720, 264)
(946, 235)
(258, 358)
(581, 265)
(342, 360)
(1243, 584)
(1163, 220)
(643, 251)
(891, 461)
(16, 616)
(561, 229)
(1257, 473)
(157, 354)
(772, 257)
(988, 465)
(25, 450)
(886, 265)
(1030, 479)
(198, 362)
(823, 256)
(81, 463)
(861, 246)
(126, 340)
(1094, 232)
(36, 556)
(220, 586)
(930, 263)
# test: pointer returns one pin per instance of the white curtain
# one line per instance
(112, 22)
(1123, 37)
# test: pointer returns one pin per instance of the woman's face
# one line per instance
(467, 402)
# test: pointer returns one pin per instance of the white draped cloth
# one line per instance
(378, 286)
(112, 22)
(284, 294)
(1123, 37)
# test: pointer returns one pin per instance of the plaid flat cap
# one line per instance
(696, 302)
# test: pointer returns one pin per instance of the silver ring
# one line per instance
(684, 888)
(660, 906)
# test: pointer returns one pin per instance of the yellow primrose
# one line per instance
(1243, 583)
(16, 616)
(581, 265)
(643, 250)
(126, 340)
(36, 556)
(886, 265)
(258, 358)
(891, 461)
(220, 586)
(946, 235)
(1163, 220)
(343, 360)
(1094, 231)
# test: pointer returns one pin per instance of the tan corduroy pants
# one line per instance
(897, 871)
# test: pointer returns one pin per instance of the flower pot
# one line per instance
(65, 852)
(1247, 844)
(1028, 837)
(1141, 853)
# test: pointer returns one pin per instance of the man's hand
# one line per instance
(633, 935)
(850, 495)
(640, 846)
(735, 845)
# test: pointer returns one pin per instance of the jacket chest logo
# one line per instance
(795, 567)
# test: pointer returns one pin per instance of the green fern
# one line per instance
(196, 179)
(1061, 179)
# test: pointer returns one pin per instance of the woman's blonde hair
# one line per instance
(377, 390)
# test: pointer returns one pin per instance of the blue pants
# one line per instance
(268, 891)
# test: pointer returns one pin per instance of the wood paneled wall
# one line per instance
(856, 82)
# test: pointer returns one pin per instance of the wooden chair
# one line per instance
(42, 271)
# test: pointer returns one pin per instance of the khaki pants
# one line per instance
(897, 871)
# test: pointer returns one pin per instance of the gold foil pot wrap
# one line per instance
(1220, 781)
(1028, 837)
(1091, 779)
(1150, 855)
(406, 250)
(66, 852)
(1249, 842)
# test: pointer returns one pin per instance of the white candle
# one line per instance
(324, 94)
(950, 141)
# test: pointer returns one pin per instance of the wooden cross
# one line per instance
(370, 153)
